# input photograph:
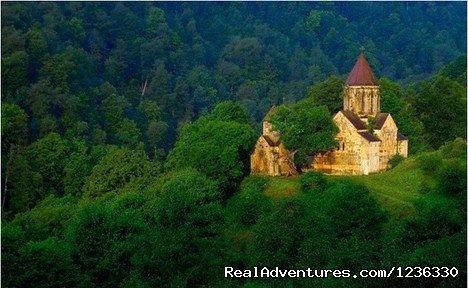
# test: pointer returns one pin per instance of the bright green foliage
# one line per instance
(218, 149)
(456, 70)
(328, 93)
(306, 126)
(49, 156)
(79, 165)
(78, 77)
(395, 160)
(455, 149)
(181, 192)
(128, 134)
(117, 168)
(246, 206)
(429, 162)
(313, 180)
(48, 218)
(113, 108)
(403, 113)
(228, 111)
(441, 105)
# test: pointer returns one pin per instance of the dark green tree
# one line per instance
(306, 127)
(328, 93)
(120, 166)
(217, 148)
(441, 106)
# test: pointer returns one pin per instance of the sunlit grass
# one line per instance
(395, 190)
(282, 187)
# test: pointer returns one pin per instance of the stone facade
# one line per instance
(363, 100)
(361, 149)
(270, 157)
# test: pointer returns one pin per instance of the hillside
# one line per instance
(404, 211)
(396, 190)
(127, 130)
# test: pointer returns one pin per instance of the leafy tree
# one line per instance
(277, 235)
(105, 240)
(456, 70)
(156, 132)
(353, 212)
(14, 126)
(433, 221)
(328, 93)
(129, 134)
(48, 218)
(305, 127)
(22, 185)
(395, 160)
(117, 168)
(14, 72)
(54, 254)
(452, 178)
(188, 247)
(246, 206)
(49, 156)
(313, 180)
(113, 108)
(444, 99)
(219, 149)
(79, 166)
(13, 238)
(228, 111)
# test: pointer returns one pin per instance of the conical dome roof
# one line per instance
(361, 75)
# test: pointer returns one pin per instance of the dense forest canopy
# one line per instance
(127, 129)
(81, 68)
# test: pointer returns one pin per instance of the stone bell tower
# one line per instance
(362, 91)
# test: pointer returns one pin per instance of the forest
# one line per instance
(127, 128)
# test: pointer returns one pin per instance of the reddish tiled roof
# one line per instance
(354, 119)
(401, 137)
(369, 137)
(380, 120)
(361, 75)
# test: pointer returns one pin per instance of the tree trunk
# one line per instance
(5, 187)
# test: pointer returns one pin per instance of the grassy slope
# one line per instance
(396, 189)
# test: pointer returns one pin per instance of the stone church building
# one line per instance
(361, 149)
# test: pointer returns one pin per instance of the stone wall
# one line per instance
(362, 100)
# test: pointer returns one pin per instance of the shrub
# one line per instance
(429, 162)
(454, 149)
(250, 203)
(313, 180)
(395, 160)
(452, 178)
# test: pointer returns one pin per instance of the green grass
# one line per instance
(282, 187)
(395, 190)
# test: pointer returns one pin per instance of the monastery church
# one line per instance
(360, 151)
